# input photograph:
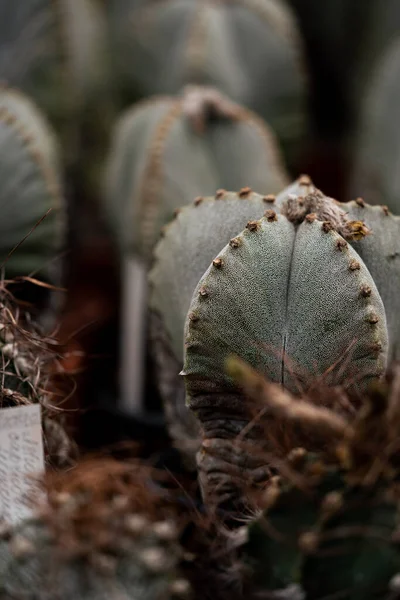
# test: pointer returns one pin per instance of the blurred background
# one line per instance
(97, 91)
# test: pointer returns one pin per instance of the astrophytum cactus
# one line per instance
(32, 212)
(249, 50)
(376, 175)
(168, 151)
(55, 53)
(188, 245)
(104, 536)
(292, 297)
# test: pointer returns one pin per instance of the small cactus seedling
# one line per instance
(249, 50)
(293, 299)
(54, 52)
(168, 151)
(103, 534)
(32, 212)
(376, 175)
(181, 257)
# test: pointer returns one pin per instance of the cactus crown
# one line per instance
(228, 146)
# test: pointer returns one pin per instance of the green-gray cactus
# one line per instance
(376, 176)
(95, 539)
(181, 257)
(30, 191)
(249, 50)
(54, 52)
(168, 151)
(294, 297)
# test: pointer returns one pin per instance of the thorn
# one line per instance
(218, 263)
(360, 202)
(341, 244)
(21, 547)
(373, 319)
(203, 292)
(155, 559)
(165, 530)
(235, 242)
(305, 180)
(297, 456)
(252, 225)
(177, 211)
(193, 317)
(354, 265)
(220, 194)
(198, 200)
(180, 587)
(365, 291)
(245, 192)
(269, 198)
(376, 348)
(136, 523)
(327, 226)
(385, 210)
(311, 218)
(270, 215)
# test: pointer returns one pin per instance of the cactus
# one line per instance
(104, 533)
(375, 175)
(31, 202)
(249, 50)
(227, 146)
(329, 528)
(54, 52)
(187, 247)
(293, 298)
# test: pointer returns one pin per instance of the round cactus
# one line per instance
(181, 257)
(54, 52)
(292, 297)
(376, 176)
(249, 50)
(168, 151)
(32, 210)
(104, 533)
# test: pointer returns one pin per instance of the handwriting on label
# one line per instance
(21, 456)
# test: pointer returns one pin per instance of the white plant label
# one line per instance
(21, 456)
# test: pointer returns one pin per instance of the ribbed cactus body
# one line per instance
(181, 257)
(289, 301)
(293, 298)
(54, 52)
(249, 50)
(30, 188)
(376, 174)
(381, 253)
(168, 151)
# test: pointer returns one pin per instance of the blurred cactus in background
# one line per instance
(168, 151)
(251, 51)
(376, 173)
(104, 532)
(55, 53)
(32, 208)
